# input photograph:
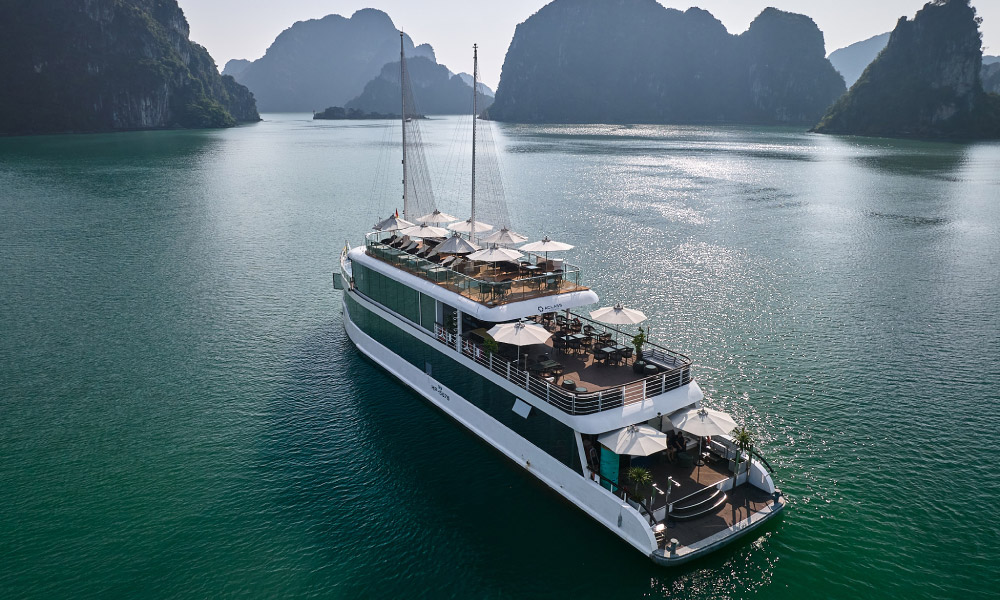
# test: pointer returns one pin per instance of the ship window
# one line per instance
(521, 408)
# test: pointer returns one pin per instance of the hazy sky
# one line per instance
(245, 28)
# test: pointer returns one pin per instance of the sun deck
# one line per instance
(490, 284)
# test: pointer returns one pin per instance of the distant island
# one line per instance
(323, 62)
(436, 91)
(926, 83)
(353, 63)
(110, 65)
(338, 113)
(635, 61)
(851, 61)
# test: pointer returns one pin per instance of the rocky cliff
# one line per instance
(926, 83)
(435, 90)
(323, 62)
(991, 78)
(105, 65)
(636, 61)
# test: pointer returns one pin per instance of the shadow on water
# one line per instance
(934, 160)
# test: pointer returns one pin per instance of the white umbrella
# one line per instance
(546, 245)
(703, 422)
(466, 226)
(618, 315)
(425, 231)
(393, 223)
(635, 440)
(456, 244)
(519, 334)
(494, 254)
(437, 217)
(504, 236)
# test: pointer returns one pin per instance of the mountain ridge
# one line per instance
(565, 64)
(324, 62)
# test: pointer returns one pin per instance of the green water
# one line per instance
(182, 416)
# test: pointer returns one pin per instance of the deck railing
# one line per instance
(568, 401)
(487, 291)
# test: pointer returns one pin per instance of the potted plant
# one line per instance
(490, 346)
(641, 481)
(638, 340)
(744, 444)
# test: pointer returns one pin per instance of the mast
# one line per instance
(402, 115)
(475, 76)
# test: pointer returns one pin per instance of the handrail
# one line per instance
(754, 452)
(570, 402)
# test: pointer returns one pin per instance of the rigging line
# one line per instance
(454, 162)
(377, 193)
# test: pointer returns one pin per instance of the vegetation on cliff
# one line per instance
(926, 83)
(105, 65)
(636, 61)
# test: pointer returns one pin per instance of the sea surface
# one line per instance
(183, 416)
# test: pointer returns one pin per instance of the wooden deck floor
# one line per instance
(740, 504)
(586, 372)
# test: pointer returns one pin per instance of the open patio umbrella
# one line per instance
(456, 244)
(519, 334)
(618, 315)
(546, 245)
(436, 217)
(703, 422)
(466, 226)
(425, 231)
(393, 223)
(504, 236)
(635, 440)
(495, 255)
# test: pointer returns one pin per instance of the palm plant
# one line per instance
(744, 444)
(638, 340)
(641, 481)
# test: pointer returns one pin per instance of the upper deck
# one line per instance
(489, 284)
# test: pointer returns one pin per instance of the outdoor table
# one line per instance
(581, 390)
(650, 370)
(612, 352)
(569, 384)
(547, 365)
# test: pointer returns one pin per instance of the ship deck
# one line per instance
(490, 284)
(739, 505)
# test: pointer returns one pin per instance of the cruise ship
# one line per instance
(507, 342)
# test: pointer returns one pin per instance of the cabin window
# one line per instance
(388, 292)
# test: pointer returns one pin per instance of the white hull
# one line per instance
(599, 503)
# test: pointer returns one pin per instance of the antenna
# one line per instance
(475, 77)
(402, 115)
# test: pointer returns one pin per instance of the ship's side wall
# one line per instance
(539, 443)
